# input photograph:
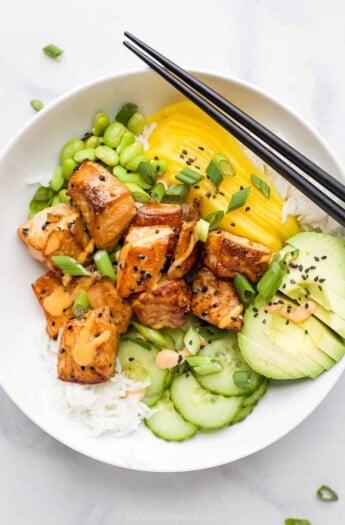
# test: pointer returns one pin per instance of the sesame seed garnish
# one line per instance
(306, 306)
(324, 257)
(201, 148)
(184, 151)
(322, 280)
(233, 224)
(316, 259)
(102, 178)
(247, 208)
(287, 321)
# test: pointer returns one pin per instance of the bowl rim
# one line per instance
(202, 72)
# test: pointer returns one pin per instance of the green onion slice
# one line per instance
(238, 199)
(214, 219)
(69, 265)
(138, 341)
(204, 364)
(261, 185)
(242, 378)
(126, 112)
(52, 51)
(81, 304)
(201, 230)
(214, 173)
(103, 264)
(325, 493)
(158, 192)
(290, 254)
(244, 289)
(147, 172)
(175, 193)
(189, 177)
(192, 340)
(36, 104)
(138, 194)
(296, 521)
(211, 333)
(271, 280)
(224, 165)
(154, 336)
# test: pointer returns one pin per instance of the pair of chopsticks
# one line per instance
(247, 130)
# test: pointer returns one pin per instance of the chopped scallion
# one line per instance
(214, 173)
(244, 289)
(189, 177)
(211, 333)
(325, 493)
(242, 378)
(192, 340)
(69, 265)
(52, 51)
(204, 365)
(201, 230)
(261, 185)
(138, 194)
(147, 172)
(271, 280)
(126, 112)
(175, 193)
(296, 521)
(144, 344)
(158, 192)
(238, 199)
(81, 304)
(103, 264)
(214, 219)
(154, 336)
(36, 104)
(224, 165)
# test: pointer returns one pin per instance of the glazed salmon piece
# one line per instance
(154, 214)
(186, 252)
(105, 203)
(215, 300)
(227, 254)
(58, 230)
(88, 347)
(142, 258)
(57, 300)
(54, 300)
(167, 304)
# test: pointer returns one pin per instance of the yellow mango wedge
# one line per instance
(186, 137)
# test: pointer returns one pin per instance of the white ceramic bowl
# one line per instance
(34, 152)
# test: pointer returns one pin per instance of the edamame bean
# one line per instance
(92, 142)
(136, 123)
(70, 149)
(57, 181)
(63, 197)
(127, 139)
(159, 166)
(100, 124)
(55, 200)
(119, 171)
(68, 167)
(85, 154)
(133, 164)
(113, 134)
(107, 155)
(129, 153)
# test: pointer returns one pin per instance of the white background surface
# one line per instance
(293, 49)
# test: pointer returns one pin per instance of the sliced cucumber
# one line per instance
(255, 396)
(199, 406)
(242, 414)
(139, 364)
(227, 352)
(166, 423)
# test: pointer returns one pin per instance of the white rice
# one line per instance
(103, 408)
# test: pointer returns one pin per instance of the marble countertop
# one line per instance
(294, 50)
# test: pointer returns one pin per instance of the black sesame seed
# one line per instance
(233, 224)
(306, 306)
(320, 288)
(135, 268)
(131, 359)
(247, 208)
(70, 327)
(316, 279)
(141, 256)
(316, 259)
(322, 280)
(62, 350)
(196, 186)
(148, 275)
(287, 322)
(53, 323)
(203, 314)
(181, 156)
(324, 257)
(215, 305)
(82, 368)
(184, 151)
(100, 314)
(201, 148)
(264, 321)
(102, 178)
(306, 332)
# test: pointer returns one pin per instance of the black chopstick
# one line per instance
(267, 136)
(268, 156)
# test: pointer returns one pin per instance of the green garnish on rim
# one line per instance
(52, 51)
(325, 493)
(36, 104)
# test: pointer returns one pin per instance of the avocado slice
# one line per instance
(332, 320)
(281, 349)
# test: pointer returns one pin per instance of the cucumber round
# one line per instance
(199, 406)
(166, 423)
(242, 414)
(139, 364)
(255, 396)
(227, 352)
